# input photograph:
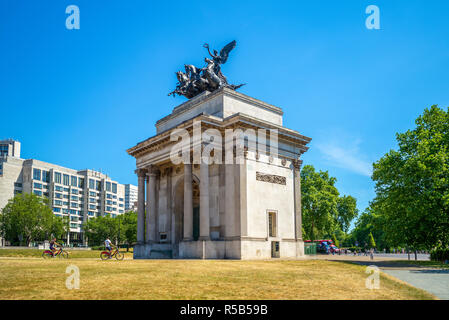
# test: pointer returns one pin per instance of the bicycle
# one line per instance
(105, 255)
(61, 253)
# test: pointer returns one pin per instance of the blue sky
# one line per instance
(80, 98)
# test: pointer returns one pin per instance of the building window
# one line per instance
(58, 195)
(272, 224)
(36, 174)
(92, 207)
(17, 185)
(57, 177)
(74, 198)
(108, 186)
(92, 194)
(37, 185)
(91, 184)
(66, 180)
(80, 182)
(45, 176)
(58, 188)
(58, 203)
(38, 193)
(74, 191)
(114, 188)
(74, 181)
(66, 189)
(98, 185)
(56, 209)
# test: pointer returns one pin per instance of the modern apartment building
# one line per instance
(130, 197)
(76, 194)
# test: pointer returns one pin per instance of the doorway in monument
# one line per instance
(196, 210)
(178, 221)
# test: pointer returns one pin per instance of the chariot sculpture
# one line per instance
(209, 78)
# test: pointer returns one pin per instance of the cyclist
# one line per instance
(108, 244)
(54, 244)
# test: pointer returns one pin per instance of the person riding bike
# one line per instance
(54, 244)
(108, 244)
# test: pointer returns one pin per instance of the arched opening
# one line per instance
(196, 210)
(178, 230)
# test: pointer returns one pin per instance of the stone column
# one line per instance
(168, 197)
(229, 200)
(141, 206)
(151, 235)
(188, 203)
(297, 201)
(204, 202)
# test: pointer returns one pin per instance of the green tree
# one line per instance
(372, 243)
(27, 218)
(319, 202)
(412, 184)
(369, 223)
(99, 228)
(335, 240)
(324, 211)
(347, 211)
(130, 226)
(121, 229)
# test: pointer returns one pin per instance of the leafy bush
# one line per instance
(439, 254)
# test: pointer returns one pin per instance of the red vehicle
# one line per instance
(105, 255)
(61, 253)
(326, 246)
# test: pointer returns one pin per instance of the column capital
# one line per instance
(297, 163)
(152, 170)
(140, 172)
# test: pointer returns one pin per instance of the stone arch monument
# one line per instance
(240, 210)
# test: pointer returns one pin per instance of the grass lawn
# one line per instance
(34, 278)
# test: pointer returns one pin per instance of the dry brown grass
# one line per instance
(28, 278)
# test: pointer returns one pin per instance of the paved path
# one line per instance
(433, 280)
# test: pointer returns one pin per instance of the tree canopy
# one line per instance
(27, 218)
(324, 211)
(412, 184)
(121, 229)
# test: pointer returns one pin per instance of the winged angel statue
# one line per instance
(195, 80)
